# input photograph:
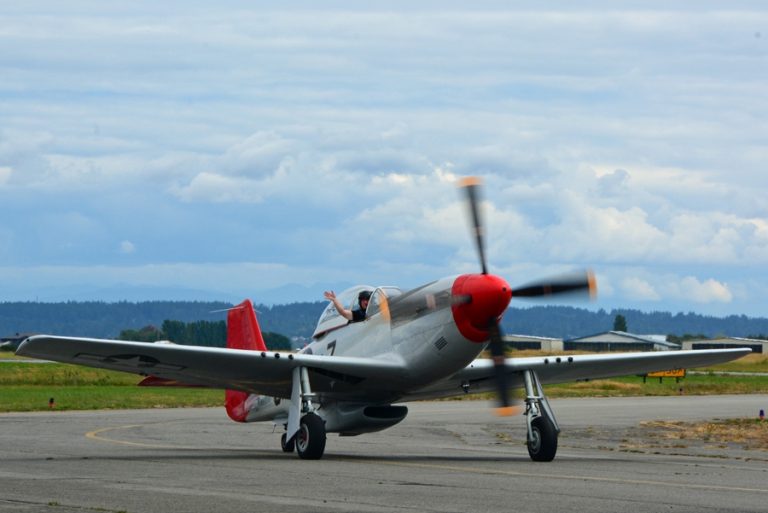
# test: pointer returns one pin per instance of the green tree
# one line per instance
(686, 337)
(145, 334)
(174, 330)
(214, 334)
(277, 342)
(620, 323)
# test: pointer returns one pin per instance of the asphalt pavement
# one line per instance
(445, 457)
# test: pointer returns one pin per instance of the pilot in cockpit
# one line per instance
(356, 315)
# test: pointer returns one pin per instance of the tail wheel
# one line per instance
(287, 446)
(310, 440)
(542, 444)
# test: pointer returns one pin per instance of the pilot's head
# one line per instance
(363, 299)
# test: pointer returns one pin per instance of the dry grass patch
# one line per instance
(750, 363)
(749, 433)
(596, 388)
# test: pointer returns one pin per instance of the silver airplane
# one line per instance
(354, 377)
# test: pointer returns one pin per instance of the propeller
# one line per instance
(572, 283)
(471, 186)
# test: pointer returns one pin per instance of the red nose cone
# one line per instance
(478, 299)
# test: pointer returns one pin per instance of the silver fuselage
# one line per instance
(412, 331)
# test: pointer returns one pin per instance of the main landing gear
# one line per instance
(310, 440)
(287, 445)
(305, 433)
(542, 426)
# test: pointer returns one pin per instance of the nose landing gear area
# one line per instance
(540, 420)
(542, 440)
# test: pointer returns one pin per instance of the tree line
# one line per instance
(197, 333)
(106, 320)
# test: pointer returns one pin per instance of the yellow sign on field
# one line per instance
(672, 373)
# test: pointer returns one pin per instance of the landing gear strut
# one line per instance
(542, 426)
(306, 433)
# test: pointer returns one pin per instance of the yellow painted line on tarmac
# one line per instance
(98, 434)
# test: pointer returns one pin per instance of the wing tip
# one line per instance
(508, 411)
(469, 181)
(592, 284)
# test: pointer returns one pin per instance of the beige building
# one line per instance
(620, 341)
(536, 343)
(756, 345)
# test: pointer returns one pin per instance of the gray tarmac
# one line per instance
(446, 457)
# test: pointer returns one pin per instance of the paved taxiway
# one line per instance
(446, 456)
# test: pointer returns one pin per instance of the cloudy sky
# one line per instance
(154, 150)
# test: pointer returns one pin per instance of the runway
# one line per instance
(445, 457)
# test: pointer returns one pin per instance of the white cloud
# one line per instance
(588, 232)
(639, 289)
(215, 188)
(346, 130)
(715, 237)
(127, 247)
(708, 291)
(259, 154)
(613, 183)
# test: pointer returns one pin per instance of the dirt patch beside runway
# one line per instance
(748, 433)
(744, 439)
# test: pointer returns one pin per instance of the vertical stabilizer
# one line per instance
(243, 332)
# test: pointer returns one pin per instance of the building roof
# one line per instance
(619, 337)
(531, 337)
(726, 340)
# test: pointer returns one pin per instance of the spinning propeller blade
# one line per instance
(574, 283)
(471, 186)
(506, 406)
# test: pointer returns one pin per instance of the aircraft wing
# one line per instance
(479, 375)
(265, 373)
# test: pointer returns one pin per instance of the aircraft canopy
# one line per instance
(331, 319)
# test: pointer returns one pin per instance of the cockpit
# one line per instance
(331, 319)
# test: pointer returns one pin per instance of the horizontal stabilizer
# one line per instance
(154, 381)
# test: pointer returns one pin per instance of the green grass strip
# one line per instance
(29, 386)
(96, 397)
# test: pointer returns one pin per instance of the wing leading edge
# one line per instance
(258, 372)
(478, 376)
(269, 373)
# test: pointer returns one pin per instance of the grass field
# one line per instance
(749, 363)
(702, 384)
(99, 397)
(28, 387)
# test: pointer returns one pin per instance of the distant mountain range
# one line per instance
(285, 294)
(102, 319)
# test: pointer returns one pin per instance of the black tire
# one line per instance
(543, 446)
(287, 446)
(310, 440)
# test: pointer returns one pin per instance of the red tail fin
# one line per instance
(243, 332)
